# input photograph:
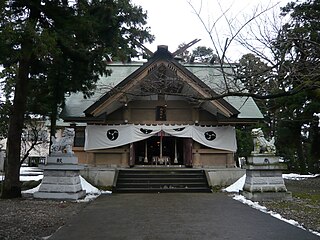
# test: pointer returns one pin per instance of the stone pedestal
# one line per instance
(2, 154)
(61, 179)
(264, 179)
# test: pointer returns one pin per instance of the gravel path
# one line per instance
(26, 219)
(305, 206)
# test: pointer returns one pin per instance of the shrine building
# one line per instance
(158, 114)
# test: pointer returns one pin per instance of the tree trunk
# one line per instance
(56, 99)
(314, 154)
(11, 187)
(299, 147)
(53, 123)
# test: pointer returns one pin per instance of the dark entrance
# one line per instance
(159, 151)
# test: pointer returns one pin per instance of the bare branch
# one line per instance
(35, 134)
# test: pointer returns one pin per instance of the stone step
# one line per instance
(161, 184)
(163, 190)
(163, 180)
(156, 175)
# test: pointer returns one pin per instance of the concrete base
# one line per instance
(263, 159)
(61, 179)
(99, 176)
(62, 160)
(224, 177)
(264, 179)
(60, 195)
(60, 184)
(266, 196)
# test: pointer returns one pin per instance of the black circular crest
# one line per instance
(145, 131)
(179, 129)
(112, 134)
(210, 135)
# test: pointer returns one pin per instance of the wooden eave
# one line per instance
(83, 119)
(95, 107)
(221, 104)
(133, 79)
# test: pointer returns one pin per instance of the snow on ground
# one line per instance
(32, 190)
(238, 186)
(295, 176)
(256, 205)
(30, 171)
(35, 174)
(91, 191)
(30, 178)
(30, 174)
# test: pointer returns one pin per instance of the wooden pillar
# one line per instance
(160, 145)
(175, 152)
(196, 160)
(132, 156)
(125, 157)
(187, 152)
(230, 160)
(126, 114)
(146, 152)
(90, 158)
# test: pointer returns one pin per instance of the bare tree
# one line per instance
(35, 138)
(282, 60)
(258, 34)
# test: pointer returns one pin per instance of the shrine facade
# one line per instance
(160, 113)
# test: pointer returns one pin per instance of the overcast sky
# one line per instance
(174, 22)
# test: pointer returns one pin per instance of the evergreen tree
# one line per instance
(202, 54)
(298, 50)
(258, 78)
(58, 47)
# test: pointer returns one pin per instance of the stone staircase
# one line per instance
(161, 180)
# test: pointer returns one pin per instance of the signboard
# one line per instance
(161, 114)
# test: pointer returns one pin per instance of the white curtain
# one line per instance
(110, 136)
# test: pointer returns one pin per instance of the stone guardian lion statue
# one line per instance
(64, 145)
(260, 144)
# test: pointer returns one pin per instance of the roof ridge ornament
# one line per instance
(185, 47)
(180, 50)
(147, 51)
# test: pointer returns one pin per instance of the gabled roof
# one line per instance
(179, 78)
(114, 90)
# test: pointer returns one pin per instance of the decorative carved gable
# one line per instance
(162, 79)
(160, 76)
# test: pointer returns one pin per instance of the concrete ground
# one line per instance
(177, 216)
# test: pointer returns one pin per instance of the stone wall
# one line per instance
(99, 176)
(102, 176)
(224, 177)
